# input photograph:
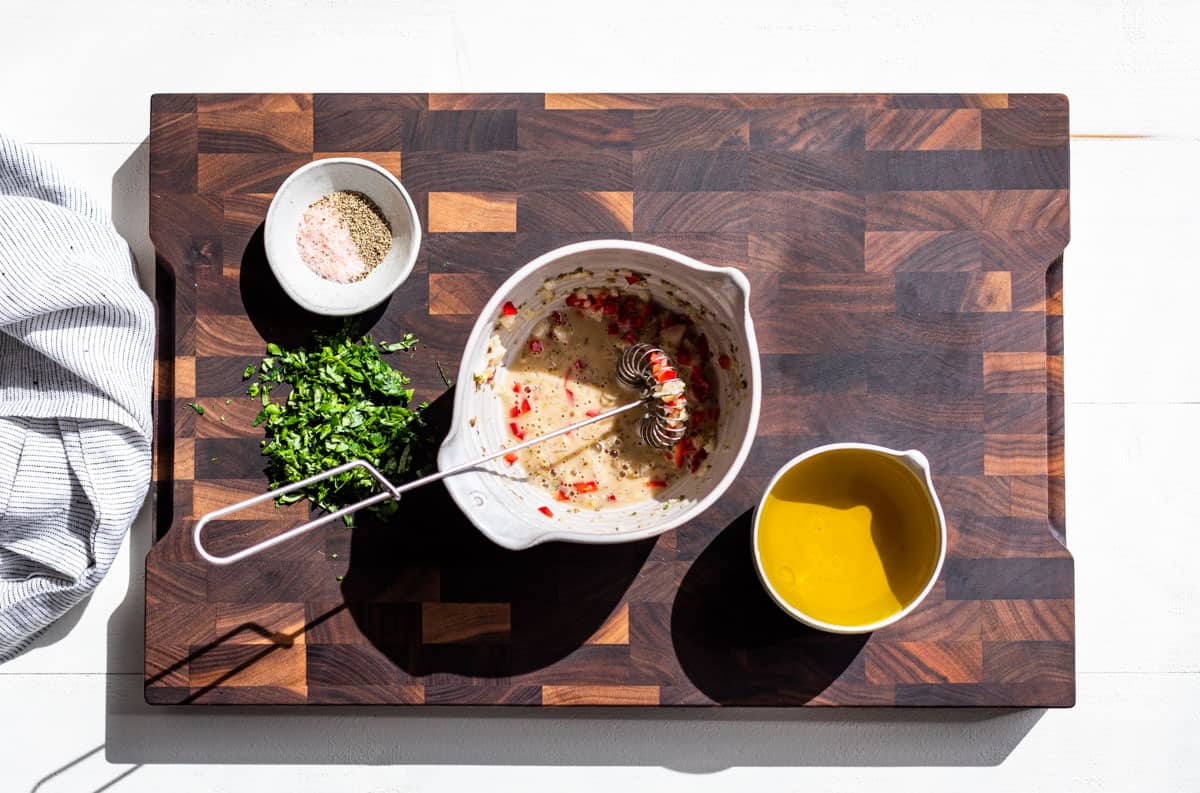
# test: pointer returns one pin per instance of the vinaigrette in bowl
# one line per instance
(565, 371)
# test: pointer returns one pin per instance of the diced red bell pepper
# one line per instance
(516, 387)
(723, 361)
(680, 452)
(613, 329)
(535, 346)
(525, 406)
(665, 374)
(517, 431)
(516, 411)
(612, 497)
(585, 487)
(561, 495)
(633, 278)
(546, 511)
(573, 301)
(509, 309)
(510, 458)
(592, 413)
(656, 483)
(697, 459)
(609, 308)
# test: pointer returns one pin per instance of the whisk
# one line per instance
(642, 367)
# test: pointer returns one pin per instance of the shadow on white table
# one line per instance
(697, 741)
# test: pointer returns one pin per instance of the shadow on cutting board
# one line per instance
(736, 645)
(436, 596)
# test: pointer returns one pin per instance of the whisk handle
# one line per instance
(389, 492)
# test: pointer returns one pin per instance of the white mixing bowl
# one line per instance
(497, 499)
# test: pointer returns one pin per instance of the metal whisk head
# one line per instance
(651, 371)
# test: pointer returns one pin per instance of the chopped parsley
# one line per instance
(345, 403)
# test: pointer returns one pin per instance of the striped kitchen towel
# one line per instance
(76, 351)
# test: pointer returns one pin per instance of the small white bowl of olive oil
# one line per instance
(850, 537)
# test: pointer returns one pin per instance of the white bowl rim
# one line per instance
(754, 380)
(390, 287)
(917, 464)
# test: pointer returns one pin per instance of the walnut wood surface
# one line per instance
(905, 256)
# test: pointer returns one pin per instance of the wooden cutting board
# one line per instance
(905, 256)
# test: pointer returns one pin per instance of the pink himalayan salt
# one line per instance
(326, 245)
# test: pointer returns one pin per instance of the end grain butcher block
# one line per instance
(905, 256)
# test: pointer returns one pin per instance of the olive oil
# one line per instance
(848, 537)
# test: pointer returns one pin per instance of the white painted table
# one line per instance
(75, 78)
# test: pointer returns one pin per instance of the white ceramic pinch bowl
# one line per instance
(497, 499)
(310, 183)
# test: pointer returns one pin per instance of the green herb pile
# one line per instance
(345, 403)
